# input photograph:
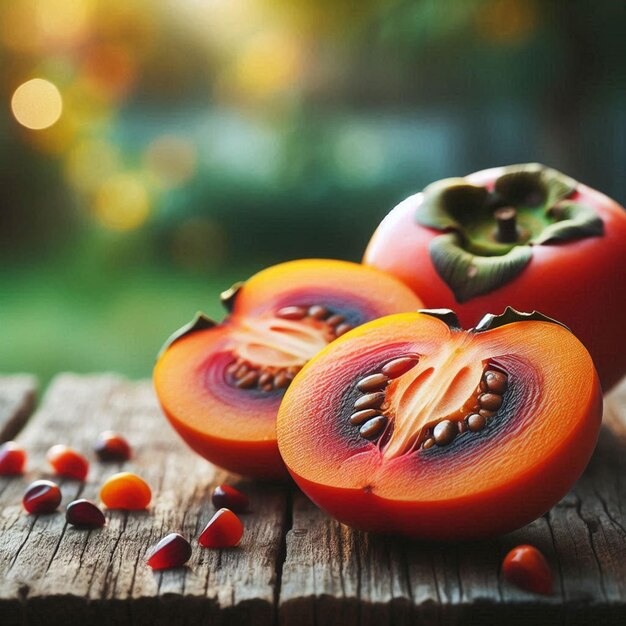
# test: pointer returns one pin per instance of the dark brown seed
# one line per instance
(334, 320)
(487, 414)
(85, 514)
(318, 312)
(292, 312)
(267, 387)
(374, 427)
(342, 329)
(490, 401)
(265, 378)
(495, 381)
(370, 401)
(281, 380)
(445, 432)
(482, 388)
(462, 426)
(242, 370)
(429, 443)
(362, 416)
(399, 366)
(249, 380)
(374, 382)
(476, 422)
(293, 370)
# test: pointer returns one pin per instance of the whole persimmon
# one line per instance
(524, 236)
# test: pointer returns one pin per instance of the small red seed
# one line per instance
(224, 530)
(42, 496)
(67, 462)
(85, 514)
(225, 496)
(526, 567)
(172, 551)
(399, 366)
(112, 447)
(12, 459)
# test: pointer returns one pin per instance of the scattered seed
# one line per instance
(496, 382)
(318, 312)
(249, 380)
(362, 416)
(476, 422)
(342, 329)
(335, 320)
(429, 443)
(445, 432)
(370, 401)
(172, 551)
(12, 459)
(490, 401)
(292, 312)
(372, 383)
(42, 496)
(224, 530)
(225, 496)
(399, 366)
(85, 514)
(374, 427)
(112, 447)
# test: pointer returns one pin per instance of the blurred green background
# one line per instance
(170, 147)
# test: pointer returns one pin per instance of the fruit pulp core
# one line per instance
(442, 386)
(280, 343)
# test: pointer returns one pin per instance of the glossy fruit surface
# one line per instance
(111, 447)
(568, 260)
(42, 496)
(466, 434)
(67, 462)
(172, 551)
(224, 530)
(221, 385)
(126, 491)
(526, 567)
(228, 497)
(12, 459)
(85, 514)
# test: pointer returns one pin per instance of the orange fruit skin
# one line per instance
(126, 491)
(377, 495)
(230, 427)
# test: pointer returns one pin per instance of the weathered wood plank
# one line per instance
(17, 401)
(332, 575)
(49, 570)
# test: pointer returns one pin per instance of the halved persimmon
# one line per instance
(409, 424)
(221, 385)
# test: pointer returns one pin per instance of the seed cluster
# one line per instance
(246, 375)
(487, 402)
(369, 408)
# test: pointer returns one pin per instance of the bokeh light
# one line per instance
(37, 104)
(171, 160)
(90, 162)
(122, 202)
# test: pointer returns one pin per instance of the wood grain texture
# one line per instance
(17, 401)
(295, 565)
(51, 571)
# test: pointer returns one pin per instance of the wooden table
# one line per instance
(295, 565)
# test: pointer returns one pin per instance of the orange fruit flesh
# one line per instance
(235, 427)
(482, 483)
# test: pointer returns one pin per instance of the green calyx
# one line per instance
(488, 235)
(199, 322)
(510, 315)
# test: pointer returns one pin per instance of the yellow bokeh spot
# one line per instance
(37, 104)
(122, 202)
(171, 159)
(506, 21)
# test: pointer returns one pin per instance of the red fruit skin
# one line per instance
(580, 283)
(84, 513)
(12, 459)
(112, 447)
(527, 568)
(228, 497)
(42, 496)
(67, 462)
(224, 530)
(172, 551)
